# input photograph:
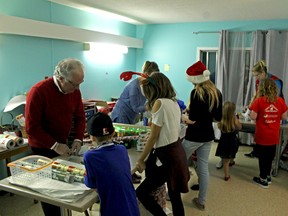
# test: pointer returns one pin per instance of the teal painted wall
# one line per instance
(26, 60)
(176, 45)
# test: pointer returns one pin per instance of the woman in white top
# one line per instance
(164, 138)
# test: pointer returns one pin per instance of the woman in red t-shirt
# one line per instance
(267, 109)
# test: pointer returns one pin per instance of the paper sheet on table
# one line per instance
(15, 102)
(68, 192)
(53, 188)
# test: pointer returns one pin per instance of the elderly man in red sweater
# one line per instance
(53, 107)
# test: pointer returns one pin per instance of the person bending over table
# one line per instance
(260, 72)
(131, 102)
(51, 106)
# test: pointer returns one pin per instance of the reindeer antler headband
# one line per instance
(127, 75)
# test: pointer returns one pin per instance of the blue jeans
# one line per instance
(203, 152)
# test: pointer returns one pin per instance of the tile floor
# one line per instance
(238, 197)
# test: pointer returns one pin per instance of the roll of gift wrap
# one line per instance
(18, 140)
(7, 143)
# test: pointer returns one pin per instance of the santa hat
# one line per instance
(198, 73)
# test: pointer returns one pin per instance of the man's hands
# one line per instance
(76, 146)
(61, 149)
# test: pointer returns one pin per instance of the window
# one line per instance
(209, 57)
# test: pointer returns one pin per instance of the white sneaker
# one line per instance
(219, 165)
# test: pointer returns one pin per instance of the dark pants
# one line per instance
(265, 156)
(149, 185)
(48, 209)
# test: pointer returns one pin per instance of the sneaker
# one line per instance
(195, 187)
(261, 182)
(250, 155)
(198, 205)
(269, 180)
(219, 165)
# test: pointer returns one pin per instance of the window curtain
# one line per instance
(231, 66)
(257, 53)
(272, 47)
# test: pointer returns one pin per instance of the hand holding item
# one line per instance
(61, 149)
(140, 166)
(246, 115)
(186, 120)
(76, 146)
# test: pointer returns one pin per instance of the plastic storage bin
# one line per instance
(31, 168)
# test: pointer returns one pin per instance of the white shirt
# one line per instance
(168, 118)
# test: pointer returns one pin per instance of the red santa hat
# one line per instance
(198, 73)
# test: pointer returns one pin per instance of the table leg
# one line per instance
(86, 213)
(276, 162)
(8, 160)
(65, 212)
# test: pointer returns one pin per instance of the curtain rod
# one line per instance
(206, 32)
(215, 32)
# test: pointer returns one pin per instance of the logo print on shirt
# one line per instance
(271, 113)
(105, 131)
(271, 108)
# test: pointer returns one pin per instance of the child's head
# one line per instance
(268, 89)
(157, 85)
(149, 67)
(228, 117)
(100, 126)
(229, 108)
(259, 70)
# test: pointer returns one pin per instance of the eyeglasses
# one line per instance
(73, 84)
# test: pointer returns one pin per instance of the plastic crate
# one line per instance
(31, 168)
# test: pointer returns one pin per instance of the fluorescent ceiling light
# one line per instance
(105, 48)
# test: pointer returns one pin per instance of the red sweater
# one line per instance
(49, 113)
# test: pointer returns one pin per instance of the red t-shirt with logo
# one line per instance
(268, 120)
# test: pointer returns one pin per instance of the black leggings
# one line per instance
(265, 156)
(149, 185)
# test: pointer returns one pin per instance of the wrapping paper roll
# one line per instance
(141, 142)
(7, 143)
(18, 140)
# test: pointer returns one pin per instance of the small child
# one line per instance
(108, 170)
(228, 144)
(267, 109)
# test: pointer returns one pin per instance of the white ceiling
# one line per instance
(179, 11)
